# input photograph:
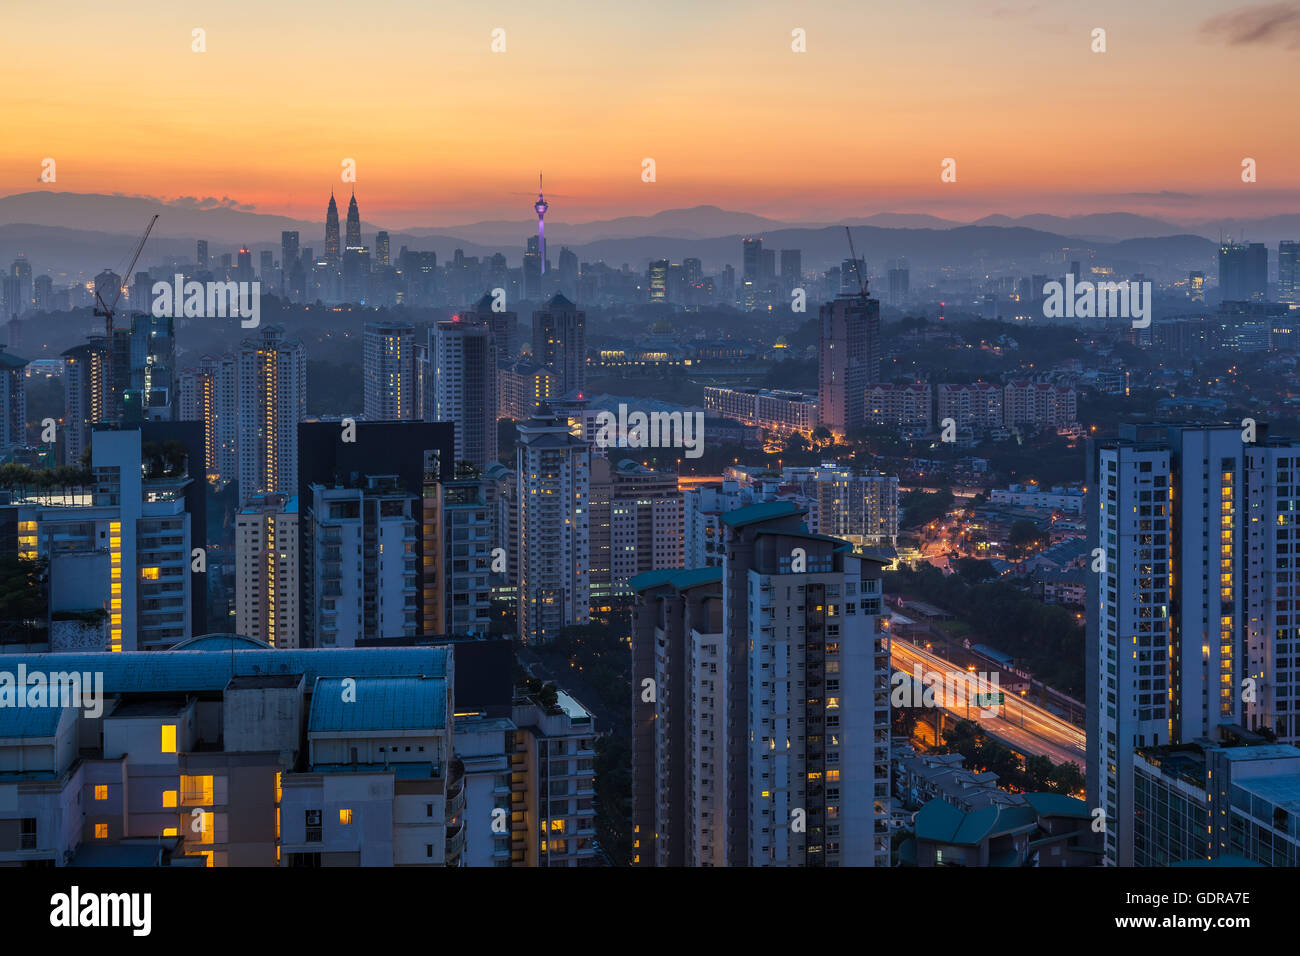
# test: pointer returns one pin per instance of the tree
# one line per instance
(1023, 535)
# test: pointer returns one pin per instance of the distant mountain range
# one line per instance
(83, 233)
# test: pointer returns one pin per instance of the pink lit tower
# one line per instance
(541, 206)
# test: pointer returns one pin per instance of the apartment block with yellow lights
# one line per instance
(226, 752)
(1192, 632)
(272, 400)
(266, 570)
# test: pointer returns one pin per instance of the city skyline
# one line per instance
(1016, 143)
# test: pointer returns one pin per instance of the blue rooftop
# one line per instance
(382, 703)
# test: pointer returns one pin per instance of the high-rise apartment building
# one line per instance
(13, 400)
(848, 360)
(87, 396)
(560, 342)
(272, 384)
(1288, 272)
(388, 371)
(1243, 272)
(463, 364)
(1190, 629)
(266, 570)
(554, 486)
(636, 526)
(209, 394)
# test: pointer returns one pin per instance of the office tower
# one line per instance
(209, 394)
(266, 271)
(272, 400)
(144, 370)
(389, 473)
(464, 391)
(21, 270)
(848, 360)
(853, 276)
(353, 235)
(43, 294)
(141, 297)
(1243, 272)
(87, 396)
(289, 250)
(554, 472)
(466, 511)
(1190, 634)
(791, 269)
(126, 555)
(332, 247)
(635, 525)
(382, 255)
(767, 266)
(1288, 272)
(11, 296)
(1195, 286)
(560, 342)
(244, 267)
(532, 270)
(13, 400)
(266, 570)
(388, 369)
(568, 272)
(752, 258)
(657, 280)
(900, 281)
(504, 326)
(786, 683)
(108, 287)
(201, 254)
(356, 274)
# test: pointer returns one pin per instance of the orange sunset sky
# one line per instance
(444, 131)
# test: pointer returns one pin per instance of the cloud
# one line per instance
(210, 202)
(1267, 23)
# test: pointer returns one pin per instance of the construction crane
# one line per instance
(108, 310)
(862, 285)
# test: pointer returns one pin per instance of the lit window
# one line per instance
(169, 738)
(149, 574)
(169, 798)
(345, 816)
(169, 831)
(101, 791)
(101, 831)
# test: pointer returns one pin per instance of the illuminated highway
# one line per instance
(1025, 727)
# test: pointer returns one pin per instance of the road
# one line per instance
(1025, 727)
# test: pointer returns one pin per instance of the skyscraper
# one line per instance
(13, 400)
(272, 383)
(464, 388)
(87, 396)
(332, 249)
(1190, 627)
(382, 255)
(201, 254)
(554, 474)
(1288, 272)
(354, 224)
(209, 394)
(1243, 272)
(848, 360)
(266, 570)
(560, 342)
(388, 370)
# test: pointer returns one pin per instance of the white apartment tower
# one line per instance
(210, 394)
(463, 368)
